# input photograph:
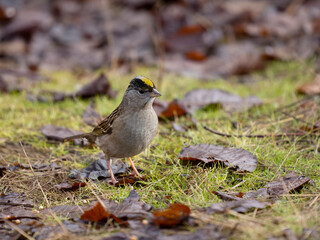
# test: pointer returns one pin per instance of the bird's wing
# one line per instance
(105, 126)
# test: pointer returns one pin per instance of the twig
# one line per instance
(298, 134)
(314, 200)
(19, 230)
(280, 109)
(244, 217)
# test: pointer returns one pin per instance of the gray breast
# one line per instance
(135, 132)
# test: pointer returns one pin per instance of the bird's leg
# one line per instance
(109, 161)
(135, 172)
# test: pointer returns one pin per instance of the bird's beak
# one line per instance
(155, 93)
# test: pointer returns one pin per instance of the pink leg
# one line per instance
(114, 181)
(135, 172)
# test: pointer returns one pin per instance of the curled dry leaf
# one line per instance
(226, 196)
(58, 134)
(129, 179)
(175, 215)
(241, 206)
(174, 109)
(235, 158)
(284, 185)
(99, 86)
(15, 206)
(15, 199)
(130, 208)
(70, 187)
(99, 213)
(99, 169)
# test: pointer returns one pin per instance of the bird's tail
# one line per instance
(89, 136)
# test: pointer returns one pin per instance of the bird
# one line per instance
(130, 128)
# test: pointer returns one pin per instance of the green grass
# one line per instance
(168, 181)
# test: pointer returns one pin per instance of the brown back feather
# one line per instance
(105, 126)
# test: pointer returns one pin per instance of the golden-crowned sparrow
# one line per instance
(130, 128)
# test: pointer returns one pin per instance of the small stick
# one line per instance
(19, 230)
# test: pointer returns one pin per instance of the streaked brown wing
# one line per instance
(105, 126)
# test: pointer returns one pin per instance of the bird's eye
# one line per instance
(141, 91)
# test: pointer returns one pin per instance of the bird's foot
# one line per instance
(113, 181)
(135, 173)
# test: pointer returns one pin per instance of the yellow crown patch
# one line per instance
(147, 81)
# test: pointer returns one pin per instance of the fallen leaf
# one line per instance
(99, 169)
(99, 86)
(36, 167)
(58, 134)
(196, 56)
(284, 185)
(46, 231)
(99, 213)
(226, 196)
(15, 206)
(234, 158)
(241, 206)
(186, 38)
(175, 215)
(311, 88)
(174, 109)
(72, 212)
(131, 208)
(26, 24)
(205, 232)
(15, 199)
(230, 59)
(129, 179)
(199, 98)
(159, 106)
(70, 187)
(17, 81)
(12, 212)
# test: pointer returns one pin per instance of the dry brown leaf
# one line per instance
(70, 187)
(58, 134)
(235, 158)
(173, 216)
(241, 206)
(99, 213)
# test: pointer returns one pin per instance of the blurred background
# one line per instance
(204, 39)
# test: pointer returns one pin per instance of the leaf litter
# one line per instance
(58, 134)
(273, 190)
(99, 169)
(234, 158)
(215, 41)
(100, 86)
